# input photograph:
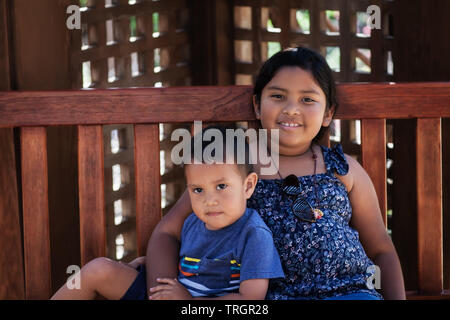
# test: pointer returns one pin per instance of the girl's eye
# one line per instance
(221, 186)
(197, 190)
(308, 100)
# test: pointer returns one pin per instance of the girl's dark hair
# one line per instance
(308, 60)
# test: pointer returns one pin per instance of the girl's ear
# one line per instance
(250, 184)
(328, 116)
(256, 107)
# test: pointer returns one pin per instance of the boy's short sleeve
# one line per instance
(260, 259)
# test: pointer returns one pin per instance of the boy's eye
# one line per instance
(277, 96)
(197, 190)
(221, 186)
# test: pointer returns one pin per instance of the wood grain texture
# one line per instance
(446, 199)
(36, 233)
(40, 52)
(404, 199)
(227, 103)
(373, 152)
(12, 281)
(5, 44)
(91, 193)
(394, 100)
(125, 106)
(40, 60)
(148, 180)
(11, 261)
(429, 205)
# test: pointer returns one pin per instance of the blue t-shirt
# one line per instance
(214, 262)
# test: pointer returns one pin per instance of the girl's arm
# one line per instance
(367, 220)
(171, 289)
(253, 289)
(163, 247)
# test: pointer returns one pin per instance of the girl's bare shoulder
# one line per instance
(356, 175)
(353, 167)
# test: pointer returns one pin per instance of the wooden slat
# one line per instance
(394, 100)
(12, 285)
(373, 153)
(35, 213)
(144, 7)
(446, 199)
(148, 190)
(11, 261)
(5, 44)
(224, 44)
(126, 106)
(227, 103)
(91, 193)
(429, 205)
(403, 222)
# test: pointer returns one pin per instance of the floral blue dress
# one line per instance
(320, 259)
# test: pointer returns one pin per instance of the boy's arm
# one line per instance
(163, 246)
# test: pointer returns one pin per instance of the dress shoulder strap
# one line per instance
(334, 159)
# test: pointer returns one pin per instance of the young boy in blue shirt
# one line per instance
(227, 251)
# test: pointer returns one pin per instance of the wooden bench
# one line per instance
(146, 108)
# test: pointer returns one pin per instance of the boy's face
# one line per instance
(218, 193)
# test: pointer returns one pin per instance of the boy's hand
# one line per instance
(171, 289)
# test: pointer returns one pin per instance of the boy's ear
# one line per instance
(328, 116)
(256, 107)
(250, 184)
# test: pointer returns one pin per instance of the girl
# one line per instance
(321, 205)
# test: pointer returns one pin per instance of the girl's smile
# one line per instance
(287, 124)
(296, 105)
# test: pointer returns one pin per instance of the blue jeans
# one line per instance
(355, 296)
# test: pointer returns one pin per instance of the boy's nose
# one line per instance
(211, 201)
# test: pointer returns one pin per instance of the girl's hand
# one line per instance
(136, 262)
(170, 290)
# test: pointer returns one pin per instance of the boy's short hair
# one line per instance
(239, 145)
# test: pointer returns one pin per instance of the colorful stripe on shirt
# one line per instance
(189, 267)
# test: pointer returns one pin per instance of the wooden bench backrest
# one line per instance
(146, 108)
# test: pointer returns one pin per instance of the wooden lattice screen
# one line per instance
(328, 26)
(130, 43)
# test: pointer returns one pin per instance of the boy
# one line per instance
(227, 251)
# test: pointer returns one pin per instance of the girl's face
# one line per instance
(296, 105)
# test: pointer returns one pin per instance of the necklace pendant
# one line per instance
(317, 214)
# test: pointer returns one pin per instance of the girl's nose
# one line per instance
(291, 109)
